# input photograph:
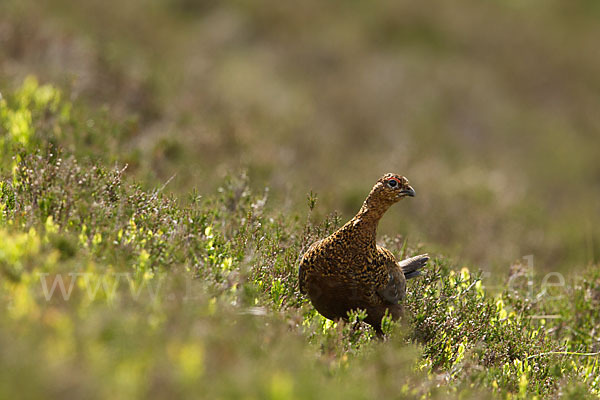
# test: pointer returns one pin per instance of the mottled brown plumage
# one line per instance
(348, 270)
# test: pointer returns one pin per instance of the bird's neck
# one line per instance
(365, 222)
(372, 210)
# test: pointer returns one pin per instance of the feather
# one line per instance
(411, 267)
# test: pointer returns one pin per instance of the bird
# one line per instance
(348, 271)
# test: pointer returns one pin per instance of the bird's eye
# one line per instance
(392, 183)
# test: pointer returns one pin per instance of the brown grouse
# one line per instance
(349, 271)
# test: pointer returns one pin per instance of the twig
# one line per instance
(545, 316)
(156, 192)
(466, 290)
(167, 182)
(567, 353)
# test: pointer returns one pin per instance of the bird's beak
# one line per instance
(408, 191)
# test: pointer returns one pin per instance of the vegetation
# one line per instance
(114, 291)
(129, 268)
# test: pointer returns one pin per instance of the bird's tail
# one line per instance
(411, 267)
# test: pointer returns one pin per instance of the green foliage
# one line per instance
(19, 111)
(109, 290)
(453, 96)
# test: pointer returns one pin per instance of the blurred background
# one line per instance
(491, 109)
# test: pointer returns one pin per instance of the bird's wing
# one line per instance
(393, 292)
(411, 267)
(392, 285)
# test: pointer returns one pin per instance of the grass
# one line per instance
(116, 289)
(489, 108)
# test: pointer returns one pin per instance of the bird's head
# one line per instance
(390, 188)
